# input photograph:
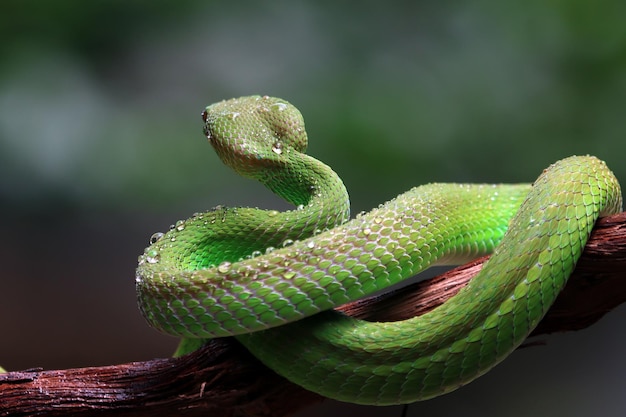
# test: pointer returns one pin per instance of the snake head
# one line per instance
(253, 133)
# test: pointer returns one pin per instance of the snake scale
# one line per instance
(271, 279)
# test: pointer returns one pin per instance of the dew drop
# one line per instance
(180, 225)
(273, 213)
(287, 242)
(278, 106)
(300, 207)
(155, 237)
(152, 257)
(378, 220)
(224, 267)
(269, 249)
(277, 148)
(310, 244)
(256, 253)
(367, 231)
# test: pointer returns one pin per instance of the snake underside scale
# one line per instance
(272, 278)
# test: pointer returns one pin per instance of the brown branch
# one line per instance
(224, 379)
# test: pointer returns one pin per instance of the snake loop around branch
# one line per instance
(272, 278)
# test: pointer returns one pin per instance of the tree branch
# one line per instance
(224, 379)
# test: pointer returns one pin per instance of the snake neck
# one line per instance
(228, 235)
(320, 197)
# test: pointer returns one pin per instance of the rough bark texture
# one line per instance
(223, 379)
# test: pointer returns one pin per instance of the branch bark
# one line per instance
(224, 379)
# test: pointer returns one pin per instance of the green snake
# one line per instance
(263, 276)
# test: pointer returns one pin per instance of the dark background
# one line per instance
(101, 145)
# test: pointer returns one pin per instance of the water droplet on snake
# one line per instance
(269, 249)
(310, 244)
(273, 213)
(155, 237)
(277, 148)
(287, 242)
(224, 267)
(256, 253)
(152, 256)
(180, 225)
(278, 106)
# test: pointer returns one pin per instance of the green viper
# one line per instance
(244, 271)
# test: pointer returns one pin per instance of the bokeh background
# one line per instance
(101, 145)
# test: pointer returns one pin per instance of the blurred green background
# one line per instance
(101, 145)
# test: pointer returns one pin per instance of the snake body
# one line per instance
(249, 272)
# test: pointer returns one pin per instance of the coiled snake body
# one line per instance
(245, 271)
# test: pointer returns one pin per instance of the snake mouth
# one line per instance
(205, 128)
